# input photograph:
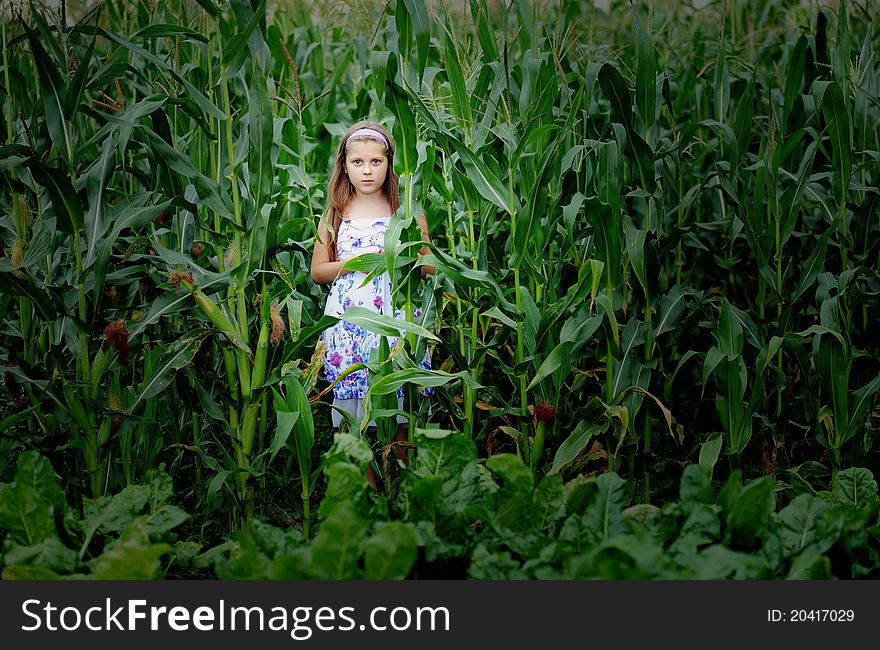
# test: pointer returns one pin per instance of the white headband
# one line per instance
(371, 132)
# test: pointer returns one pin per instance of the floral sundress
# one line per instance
(346, 342)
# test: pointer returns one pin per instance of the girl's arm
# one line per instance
(423, 226)
(323, 270)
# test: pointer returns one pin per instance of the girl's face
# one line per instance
(366, 165)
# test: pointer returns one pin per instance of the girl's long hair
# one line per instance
(339, 187)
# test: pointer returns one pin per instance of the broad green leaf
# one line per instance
(444, 457)
(391, 551)
(130, 560)
(515, 475)
(695, 487)
(112, 514)
(604, 514)
(748, 515)
(49, 554)
(28, 504)
(717, 562)
(854, 487)
(799, 525)
(336, 549)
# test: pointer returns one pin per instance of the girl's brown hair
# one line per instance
(339, 187)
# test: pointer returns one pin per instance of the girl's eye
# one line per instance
(376, 161)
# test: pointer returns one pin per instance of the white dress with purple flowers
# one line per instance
(346, 342)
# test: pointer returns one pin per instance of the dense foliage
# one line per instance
(656, 236)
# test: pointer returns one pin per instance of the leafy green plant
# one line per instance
(123, 537)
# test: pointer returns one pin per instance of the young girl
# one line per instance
(362, 195)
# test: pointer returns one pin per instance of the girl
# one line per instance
(362, 195)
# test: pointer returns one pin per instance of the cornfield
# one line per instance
(657, 241)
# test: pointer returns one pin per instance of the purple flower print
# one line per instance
(357, 359)
(346, 304)
(335, 359)
(417, 312)
(378, 302)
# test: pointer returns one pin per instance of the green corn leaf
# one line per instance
(404, 128)
(721, 85)
(210, 7)
(260, 168)
(815, 265)
(635, 248)
(559, 357)
(608, 242)
(389, 383)
(461, 102)
(607, 309)
(859, 405)
(646, 72)
(179, 355)
(97, 183)
(404, 25)
(382, 324)
(74, 93)
(794, 76)
(160, 30)
(840, 56)
(54, 98)
(167, 304)
(207, 188)
(48, 303)
(616, 91)
(574, 445)
(484, 179)
(198, 97)
(485, 33)
(67, 205)
(131, 213)
(837, 117)
(709, 452)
